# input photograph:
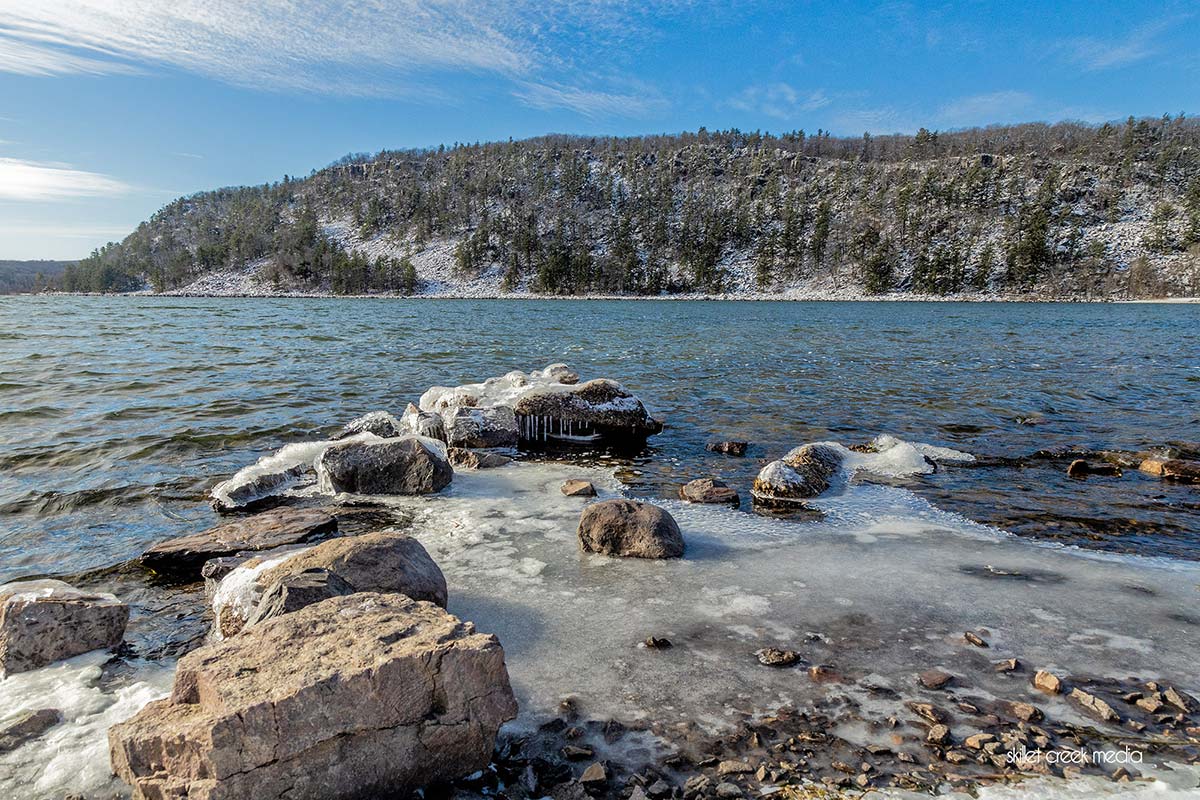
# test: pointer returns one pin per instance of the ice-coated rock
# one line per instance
(482, 427)
(406, 465)
(629, 528)
(44, 621)
(364, 695)
(185, 556)
(294, 592)
(384, 561)
(597, 411)
(423, 423)
(379, 423)
(805, 472)
(262, 481)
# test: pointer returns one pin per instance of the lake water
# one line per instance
(118, 414)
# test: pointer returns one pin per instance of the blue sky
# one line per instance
(111, 108)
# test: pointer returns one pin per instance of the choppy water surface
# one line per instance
(116, 414)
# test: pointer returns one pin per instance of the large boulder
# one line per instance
(803, 473)
(185, 557)
(482, 427)
(597, 411)
(629, 528)
(406, 465)
(384, 561)
(44, 621)
(365, 695)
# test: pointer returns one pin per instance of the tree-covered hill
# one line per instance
(1059, 210)
(30, 276)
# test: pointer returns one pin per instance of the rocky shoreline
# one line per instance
(332, 667)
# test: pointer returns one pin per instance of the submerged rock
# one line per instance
(1081, 468)
(599, 411)
(379, 423)
(185, 556)
(1172, 469)
(44, 621)
(629, 528)
(463, 458)
(408, 465)
(709, 490)
(578, 488)
(482, 427)
(27, 726)
(727, 448)
(364, 695)
(384, 561)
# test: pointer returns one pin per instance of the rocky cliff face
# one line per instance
(1058, 211)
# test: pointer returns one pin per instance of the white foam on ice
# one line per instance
(72, 757)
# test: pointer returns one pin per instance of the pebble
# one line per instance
(934, 678)
(595, 774)
(775, 657)
(1007, 665)
(975, 639)
(938, 734)
(728, 790)
(734, 768)
(1047, 681)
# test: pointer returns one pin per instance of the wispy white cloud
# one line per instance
(41, 181)
(188, 155)
(377, 48)
(779, 100)
(1095, 54)
(983, 109)
(89, 232)
(589, 102)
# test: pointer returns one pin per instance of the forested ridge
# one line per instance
(1059, 210)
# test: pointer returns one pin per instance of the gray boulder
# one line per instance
(407, 465)
(364, 695)
(185, 557)
(482, 427)
(629, 528)
(44, 621)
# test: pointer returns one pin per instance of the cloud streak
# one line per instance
(35, 181)
(384, 48)
(1099, 54)
(779, 100)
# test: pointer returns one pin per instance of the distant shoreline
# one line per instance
(784, 297)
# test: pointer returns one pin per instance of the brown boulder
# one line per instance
(597, 411)
(803, 473)
(709, 490)
(44, 621)
(185, 556)
(358, 696)
(629, 528)
(384, 561)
